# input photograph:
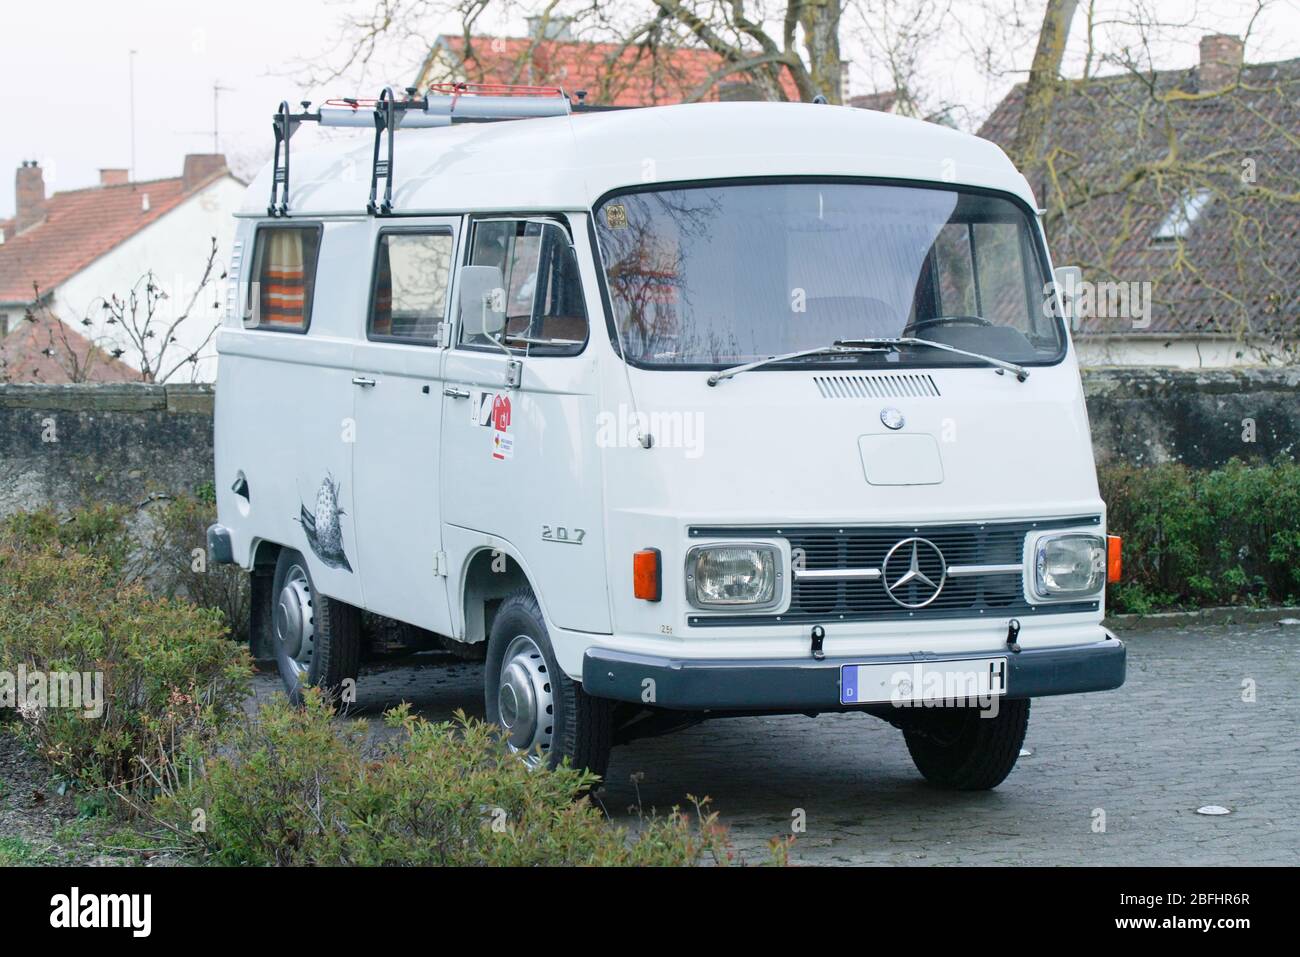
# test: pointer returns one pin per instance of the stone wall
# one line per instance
(1201, 418)
(66, 444)
(69, 444)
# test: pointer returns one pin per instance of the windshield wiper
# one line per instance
(837, 348)
(892, 343)
(859, 346)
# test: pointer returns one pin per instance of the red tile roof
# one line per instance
(80, 226)
(25, 355)
(612, 75)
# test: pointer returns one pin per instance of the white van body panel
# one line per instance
(771, 444)
(283, 410)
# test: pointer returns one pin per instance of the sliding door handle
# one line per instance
(363, 381)
(455, 393)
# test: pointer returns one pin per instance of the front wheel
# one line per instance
(964, 749)
(543, 714)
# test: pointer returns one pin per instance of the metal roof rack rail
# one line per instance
(284, 123)
(443, 105)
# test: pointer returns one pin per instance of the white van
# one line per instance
(666, 413)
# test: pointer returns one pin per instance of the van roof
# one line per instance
(566, 163)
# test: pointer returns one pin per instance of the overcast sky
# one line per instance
(64, 77)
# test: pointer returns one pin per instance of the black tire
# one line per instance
(583, 724)
(958, 749)
(336, 652)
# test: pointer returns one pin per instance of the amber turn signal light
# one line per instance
(647, 577)
(1114, 560)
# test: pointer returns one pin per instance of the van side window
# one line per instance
(284, 278)
(410, 295)
(543, 290)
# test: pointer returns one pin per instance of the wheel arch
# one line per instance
(488, 576)
(263, 554)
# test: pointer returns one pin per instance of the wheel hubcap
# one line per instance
(524, 700)
(295, 630)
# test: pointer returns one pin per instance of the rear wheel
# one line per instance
(965, 750)
(543, 714)
(317, 639)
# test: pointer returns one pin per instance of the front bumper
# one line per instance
(804, 684)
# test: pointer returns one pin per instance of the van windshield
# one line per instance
(715, 275)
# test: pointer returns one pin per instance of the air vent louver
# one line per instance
(891, 386)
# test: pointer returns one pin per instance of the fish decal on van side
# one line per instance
(324, 534)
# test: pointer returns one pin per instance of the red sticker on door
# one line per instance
(501, 413)
(503, 443)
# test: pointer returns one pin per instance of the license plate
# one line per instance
(915, 682)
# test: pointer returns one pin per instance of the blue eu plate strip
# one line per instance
(848, 684)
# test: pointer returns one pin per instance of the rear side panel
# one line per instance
(284, 412)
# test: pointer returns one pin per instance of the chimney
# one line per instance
(29, 196)
(1221, 59)
(113, 177)
(200, 167)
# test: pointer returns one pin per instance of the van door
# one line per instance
(396, 460)
(520, 463)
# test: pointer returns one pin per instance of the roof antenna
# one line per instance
(217, 90)
(130, 66)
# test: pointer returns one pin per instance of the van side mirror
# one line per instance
(482, 301)
(1069, 283)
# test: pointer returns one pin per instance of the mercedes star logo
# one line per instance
(914, 571)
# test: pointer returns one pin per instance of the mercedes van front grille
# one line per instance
(900, 385)
(914, 572)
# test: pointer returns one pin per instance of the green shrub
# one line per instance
(175, 544)
(293, 786)
(165, 548)
(167, 669)
(1209, 537)
(98, 530)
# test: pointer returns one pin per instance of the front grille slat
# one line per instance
(818, 600)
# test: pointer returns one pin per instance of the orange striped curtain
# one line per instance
(382, 323)
(284, 279)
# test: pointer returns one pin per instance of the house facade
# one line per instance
(82, 249)
(1177, 192)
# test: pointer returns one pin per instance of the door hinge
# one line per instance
(514, 373)
(444, 333)
(440, 564)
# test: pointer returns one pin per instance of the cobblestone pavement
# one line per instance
(1176, 737)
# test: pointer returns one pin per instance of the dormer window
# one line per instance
(1178, 223)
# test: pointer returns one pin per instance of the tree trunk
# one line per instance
(1044, 79)
(820, 20)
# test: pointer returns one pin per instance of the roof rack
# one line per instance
(443, 105)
